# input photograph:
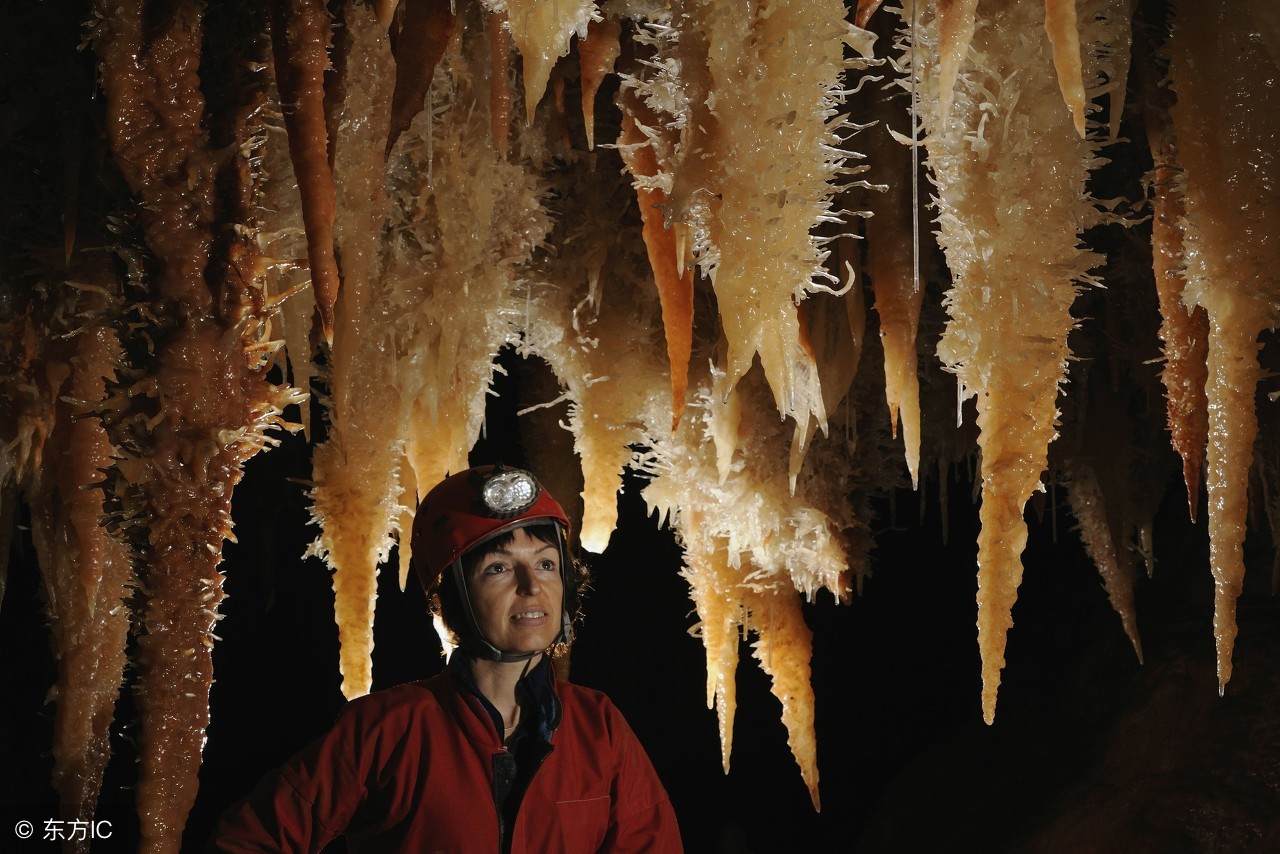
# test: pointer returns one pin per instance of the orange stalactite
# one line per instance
(675, 288)
(499, 83)
(300, 34)
(1064, 36)
(596, 55)
(185, 444)
(1228, 132)
(1184, 330)
(891, 253)
(424, 35)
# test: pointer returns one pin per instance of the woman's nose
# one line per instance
(527, 576)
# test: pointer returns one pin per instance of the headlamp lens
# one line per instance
(510, 492)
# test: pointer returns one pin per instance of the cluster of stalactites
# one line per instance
(433, 226)
(753, 548)
(390, 195)
(147, 409)
(384, 320)
(55, 452)
(732, 123)
(1009, 165)
(1227, 129)
(728, 133)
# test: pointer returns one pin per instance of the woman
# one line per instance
(493, 754)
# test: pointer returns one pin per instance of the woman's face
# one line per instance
(516, 594)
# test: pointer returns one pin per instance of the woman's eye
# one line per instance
(549, 565)
(494, 569)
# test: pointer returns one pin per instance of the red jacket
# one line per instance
(411, 769)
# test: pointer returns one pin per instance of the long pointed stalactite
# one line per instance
(401, 190)
(1010, 166)
(1228, 135)
(87, 572)
(356, 468)
(182, 426)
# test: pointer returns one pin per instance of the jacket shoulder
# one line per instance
(580, 700)
(395, 708)
(589, 710)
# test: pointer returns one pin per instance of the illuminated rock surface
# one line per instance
(357, 186)
(1228, 132)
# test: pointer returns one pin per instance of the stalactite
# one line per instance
(1228, 132)
(596, 55)
(56, 452)
(356, 470)
(370, 198)
(1105, 543)
(428, 26)
(188, 422)
(541, 32)
(281, 238)
(300, 34)
(1062, 27)
(783, 648)
(499, 85)
(1014, 274)
(712, 588)
(87, 575)
(1185, 329)
(891, 256)
(675, 286)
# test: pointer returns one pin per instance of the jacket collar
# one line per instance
(536, 689)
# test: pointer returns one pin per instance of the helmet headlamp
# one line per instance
(509, 492)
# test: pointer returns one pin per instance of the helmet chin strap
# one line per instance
(568, 594)
(474, 643)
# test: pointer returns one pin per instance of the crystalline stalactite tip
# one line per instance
(1228, 133)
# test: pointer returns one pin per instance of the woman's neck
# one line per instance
(497, 680)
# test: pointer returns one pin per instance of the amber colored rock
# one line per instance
(1228, 131)
(675, 286)
(200, 410)
(424, 35)
(300, 32)
(1010, 226)
(596, 55)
